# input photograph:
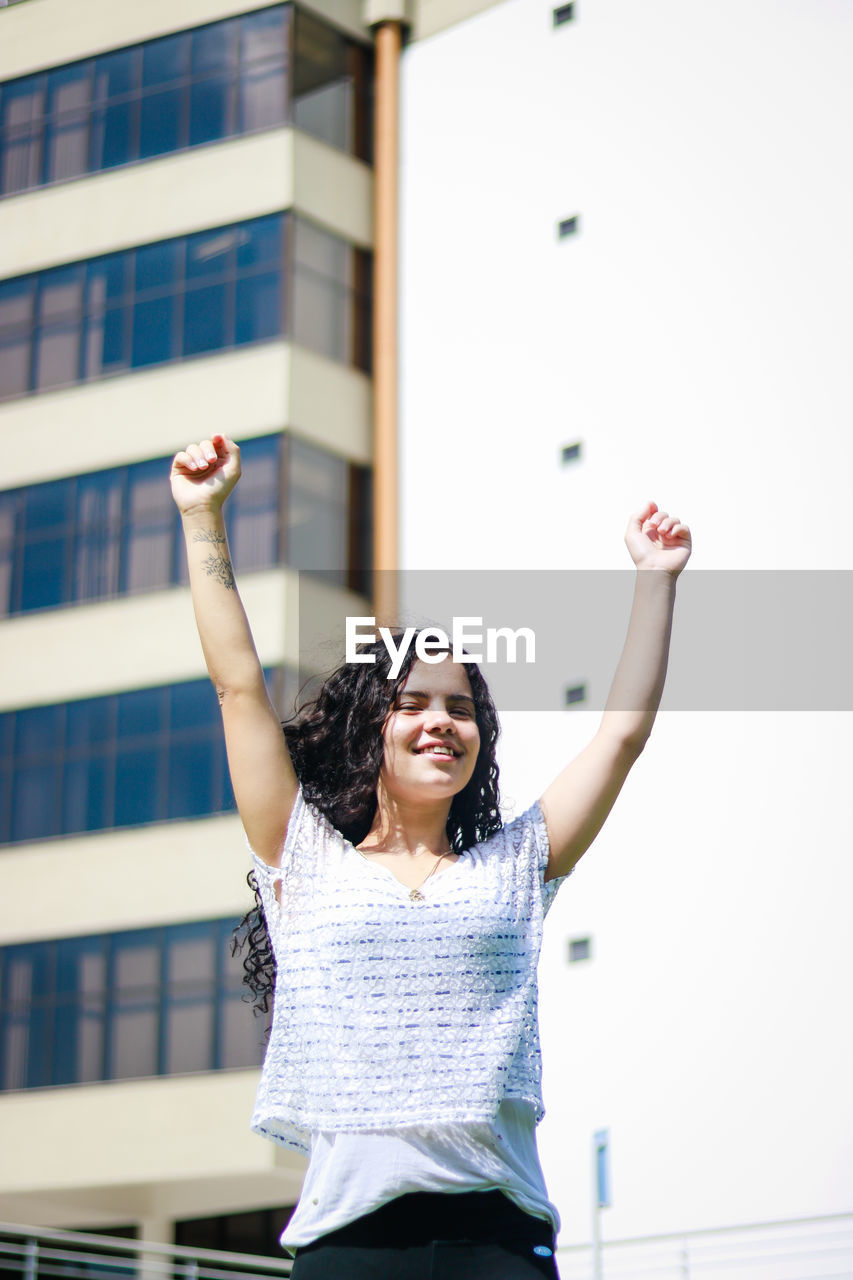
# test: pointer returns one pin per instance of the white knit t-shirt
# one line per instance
(391, 1013)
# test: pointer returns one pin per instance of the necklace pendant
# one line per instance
(416, 895)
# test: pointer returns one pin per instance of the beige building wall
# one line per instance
(100, 648)
(92, 649)
(102, 1154)
(40, 37)
(150, 1151)
(131, 878)
(154, 412)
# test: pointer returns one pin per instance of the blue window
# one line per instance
(115, 111)
(94, 530)
(214, 88)
(124, 311)
(175, 299)
(118, 532)
(66, 127)
(146, 1002)
(184, 90)
(118, 761)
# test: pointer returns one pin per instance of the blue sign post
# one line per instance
(601, 1139)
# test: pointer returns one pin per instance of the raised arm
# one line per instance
(261, 771)
(578, 801)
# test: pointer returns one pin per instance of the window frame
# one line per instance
(104, 759)
(49, 1017)
(101, 531)
(345, 293)
(235, 77)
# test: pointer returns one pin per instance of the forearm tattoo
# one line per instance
(217, 565)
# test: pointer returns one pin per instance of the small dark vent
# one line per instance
(565, 13)
(575, 693)
(569, 226)
(579, 949)
(571, 452)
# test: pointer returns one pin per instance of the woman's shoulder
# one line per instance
(527, 830)
(309, 834)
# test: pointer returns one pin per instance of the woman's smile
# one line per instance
(440, 750)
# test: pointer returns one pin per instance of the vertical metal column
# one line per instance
(385, 453)
(31, 1260)
(596, 1242)
(600, 1192)
(685, 1259)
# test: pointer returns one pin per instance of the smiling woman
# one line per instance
(399, 921)
(430, 739)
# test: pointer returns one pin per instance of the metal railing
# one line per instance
(817, 1248)
(41, 1253)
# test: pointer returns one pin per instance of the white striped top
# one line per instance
(391, 1013)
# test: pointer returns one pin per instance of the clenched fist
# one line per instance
(204, 474)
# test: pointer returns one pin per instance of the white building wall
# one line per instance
(695, 337)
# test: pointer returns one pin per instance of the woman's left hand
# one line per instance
(657, 540)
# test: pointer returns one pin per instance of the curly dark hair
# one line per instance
(336, 745)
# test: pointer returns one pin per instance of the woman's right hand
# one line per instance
(204, 474)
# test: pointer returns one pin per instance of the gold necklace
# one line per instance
(415, 895)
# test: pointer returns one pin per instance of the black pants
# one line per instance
(433, 1235)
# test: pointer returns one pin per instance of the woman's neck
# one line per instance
(410, 830)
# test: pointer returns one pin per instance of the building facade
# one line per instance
(187, 247)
